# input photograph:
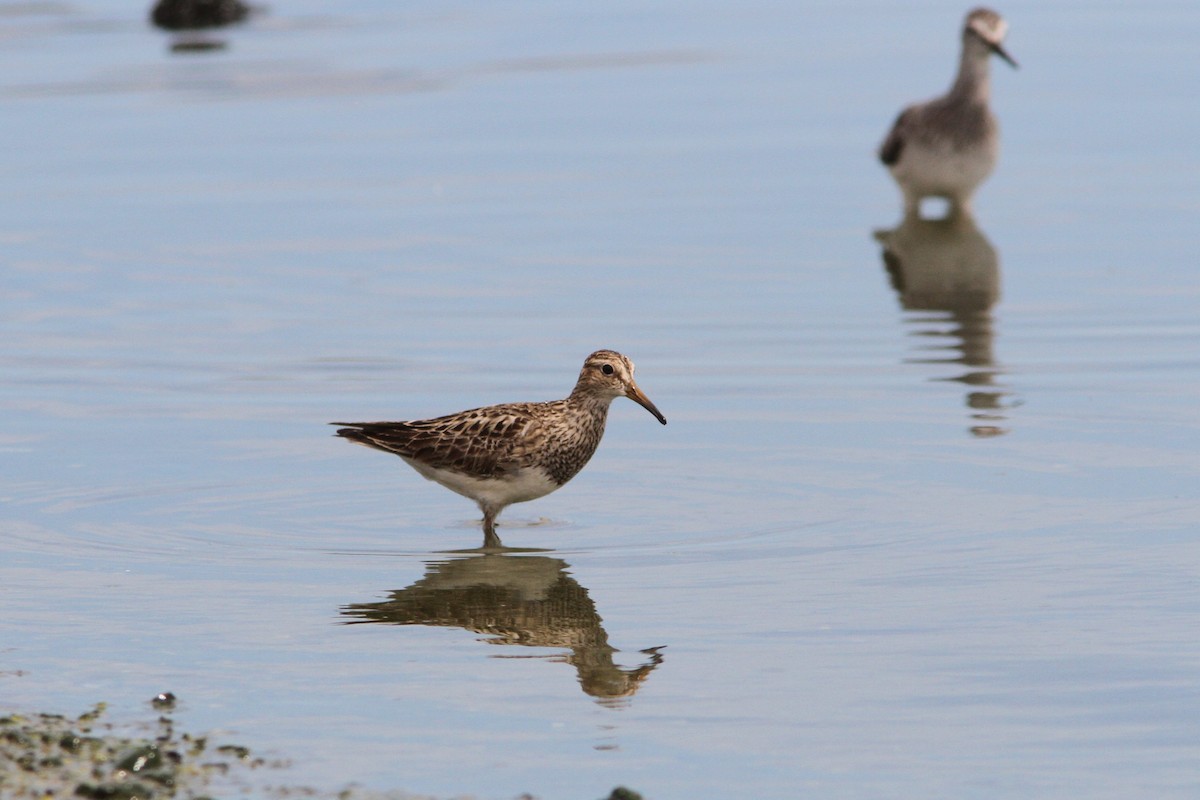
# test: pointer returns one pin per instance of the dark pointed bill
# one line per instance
(1000, 51)
(635, 394)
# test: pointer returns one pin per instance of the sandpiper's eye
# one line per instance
(607, 369)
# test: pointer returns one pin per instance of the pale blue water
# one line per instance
(883, 549)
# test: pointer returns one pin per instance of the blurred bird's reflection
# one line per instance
(948, 266)
(516, 600)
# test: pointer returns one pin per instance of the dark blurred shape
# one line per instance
(622, 793)
(190, 45)
(188, 15)
(164, 701)
(515, 600)
(948, 265)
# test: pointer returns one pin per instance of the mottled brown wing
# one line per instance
(486, 442)
(893, 145)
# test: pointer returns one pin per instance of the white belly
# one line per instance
(930, 172)
(526, 484)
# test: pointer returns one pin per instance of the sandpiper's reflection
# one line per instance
(947, 265)
(516, 600)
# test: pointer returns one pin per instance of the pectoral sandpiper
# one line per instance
(510, 453)
(947, 147)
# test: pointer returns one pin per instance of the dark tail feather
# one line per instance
(353, 434)
(390, 437)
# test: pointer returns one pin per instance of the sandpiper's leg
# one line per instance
(490, 540)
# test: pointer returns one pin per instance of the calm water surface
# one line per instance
(924, 522)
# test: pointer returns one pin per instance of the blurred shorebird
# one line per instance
(510, 453)
(178, 15)
(946, 147)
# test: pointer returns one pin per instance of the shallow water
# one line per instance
(921, 531)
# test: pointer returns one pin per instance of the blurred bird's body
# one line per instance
(948, 146)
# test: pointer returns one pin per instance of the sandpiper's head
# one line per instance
(608, 374)
(988, 27)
